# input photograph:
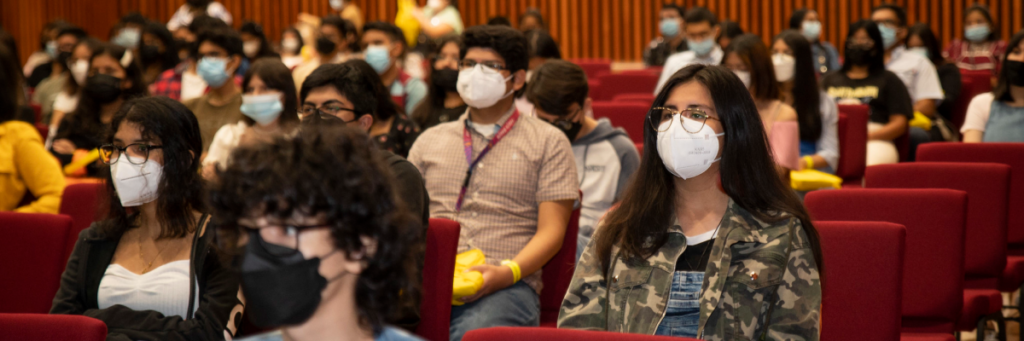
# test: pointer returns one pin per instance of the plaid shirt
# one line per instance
(532, 164)
(169, 82)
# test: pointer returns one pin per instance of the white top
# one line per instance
(192, 86)
(683, 59)
(223, 143)
(977, 112)
(165, 289)
(292, 62)
(700, 238)
(183, 16)
(917, 73)
(828, 143)
(65, 103)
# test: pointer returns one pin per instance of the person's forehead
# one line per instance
(374, 35)
(325, 93)
(207, 47)
(883, 14)
(698, 26)
(689, 94)
(483, 54)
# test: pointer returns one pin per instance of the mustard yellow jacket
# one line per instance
(26, 165)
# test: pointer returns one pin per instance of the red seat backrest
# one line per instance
(862, 259)
(52, 327)
(933, 271)
(557, 274)
(593, 67)
(629, 116)
(987, 186)
(647, 99)
(853, 142)
(1011, 154)
(32, 258)
(552, 334)
(973, 83)
(438, 271)
(624, 83)
(81, 203)
(595, 89)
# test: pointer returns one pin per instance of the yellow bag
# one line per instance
(810, 179)
(80, 160)
(467, 283)
(407, 22)
(921, 121)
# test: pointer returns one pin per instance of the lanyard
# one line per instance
(467, 140)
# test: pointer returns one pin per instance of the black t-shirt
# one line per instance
(883, 92)
(949, 76)
(695, 257)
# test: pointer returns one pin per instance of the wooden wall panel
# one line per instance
(611, 29)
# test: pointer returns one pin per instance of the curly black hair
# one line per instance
(508, 43)
(330, 171)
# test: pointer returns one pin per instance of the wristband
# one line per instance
(516, 272)
(808, 162)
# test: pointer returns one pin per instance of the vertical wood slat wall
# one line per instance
(612, 29)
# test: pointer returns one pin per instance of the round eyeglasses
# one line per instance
(661, 115)
(138, 153)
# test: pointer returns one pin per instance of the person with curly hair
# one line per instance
(284, 220)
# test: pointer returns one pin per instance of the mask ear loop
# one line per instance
(126, 59)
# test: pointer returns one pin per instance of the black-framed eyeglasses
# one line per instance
(661, 115)
(561, 123)
(330, 109)
(138, 153)
(490, 66)
(279, 241)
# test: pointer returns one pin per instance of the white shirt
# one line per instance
(977, 112)
(165, 289)
(192, 86)
(183, 17)
(917, 73)
(223, 143)
(65, 103)
(828, 143)
(683, 59)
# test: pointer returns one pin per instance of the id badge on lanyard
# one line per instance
(467, 140)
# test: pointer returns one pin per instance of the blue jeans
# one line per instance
(683, 310)
(515, 306)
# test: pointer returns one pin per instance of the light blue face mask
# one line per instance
(51, 49)
(977, 33)
(701, 48)
(213, 71)
(379, 57)
(888, 35)
(669, 27)
(264, 109)
(129, 38)
(811, 30)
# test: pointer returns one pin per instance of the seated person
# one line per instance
(605, 156)
(149, 270)
(182, 82)
(816, 113)
(331, 47)
(922, 40)
(672, 39)
(383, 45)
(701, 28)
(219, 52)
(998, 116)
(825, 56)
(656, 265)
(442, 103)
(980, 48)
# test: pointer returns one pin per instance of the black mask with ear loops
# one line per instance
(1014, 72)
(102, 88)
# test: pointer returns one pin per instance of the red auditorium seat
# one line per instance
(52, 327)
(987, 188)
(557, 274)
(973, 83)
(438, 267)
(81, 203)
(933, 271)
(593, 67)
(853, 144)
(33, 252)
(594, 88)
(626, 83)
(552, 334)
(864, 259)
(629, 116)
(644, 98)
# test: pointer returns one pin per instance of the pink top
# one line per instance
(785, 142)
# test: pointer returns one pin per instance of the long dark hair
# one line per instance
(88, 109)
(638, 225)
(169, 58)
(181, 188)
(877, 62)
(291, 29)
(1002, 89)
(806, 94)
(435, 94)
(931, 43)
(796, 21)
(255, 29)
(386, 108)
(10, 87)
(750, 48)
(276, 76)
(71, 85)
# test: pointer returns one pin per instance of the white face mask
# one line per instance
(251, 48)
(480, 89)
(687, 155)
(744, 77)
(784, 66)
(79, 70)
(435, 4)
(136, 184)
(290, 45)
(337, 5)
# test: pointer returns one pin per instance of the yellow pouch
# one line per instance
(921, 121)
(810, 179)
(467, 283)
(81, 159)
(408, 23)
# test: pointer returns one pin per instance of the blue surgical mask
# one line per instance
(669, 27)
(919, 50)
(129, 38)
(888, 35)
(379, 57)
(701, 47)
(213, 71)
(51, 49)
(977, 33)
(811, 30)
(264, 109)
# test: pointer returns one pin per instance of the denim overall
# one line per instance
(1005, 123)
(683, 310)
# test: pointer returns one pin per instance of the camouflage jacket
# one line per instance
(736, 299)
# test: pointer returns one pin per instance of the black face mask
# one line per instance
(858, 55)
(325, 46)
(149, 54)
(446, 79)
(63, 56)
(102, 88)
(1014, 71)
(279, 291)
(571, 129)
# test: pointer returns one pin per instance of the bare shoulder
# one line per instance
(786, 113)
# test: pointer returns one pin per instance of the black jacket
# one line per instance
(219, 309)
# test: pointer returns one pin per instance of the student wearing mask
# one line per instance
(998, 116)
(114, 78)
(384, 45)
(25, 166)
(344, 9)
(193, 8)
(183, 82)
(808, 23)
(729, 32)
(64, 39)
(47, 47)
(291, 48)
(532, 20)
(921, 40)
(331, 48)
(667, 228)
(321, 255)
(816, 113)
(439, 18)
(129, 31)
(67, 100)
(702, 31)
(442, 103)
(748, 58)
(149, 270)
(540, 48)
(269, 107)
(672, 39)
(219, 54)
(158, 52)
(57, 72)
(515, 202)
(605, 156)
(254, 42)
(980, 48)
(864, 80)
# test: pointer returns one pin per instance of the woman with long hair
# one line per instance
(816, 113)
(158, 52)
(921, 40)
(67, 100)
(254, 42)
(996, 116)
(291, 47)
(704, 237)
(443, 102)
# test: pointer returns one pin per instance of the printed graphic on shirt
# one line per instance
(863, 94)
